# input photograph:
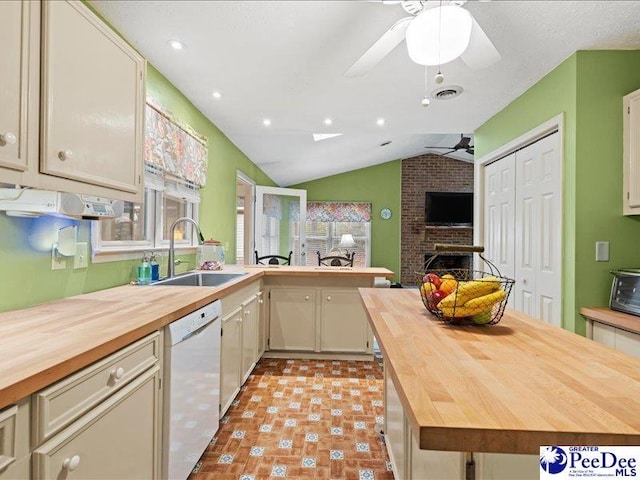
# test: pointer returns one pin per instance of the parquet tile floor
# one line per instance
(302, 419)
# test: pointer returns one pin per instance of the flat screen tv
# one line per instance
(449, 209)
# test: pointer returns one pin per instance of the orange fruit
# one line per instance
(448, 285)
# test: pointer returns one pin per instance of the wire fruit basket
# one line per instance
(462, 296)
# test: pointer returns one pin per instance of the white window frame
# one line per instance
(331, 228)
(112, 251)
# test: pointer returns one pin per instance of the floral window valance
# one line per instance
(338, 211)
(173, 146)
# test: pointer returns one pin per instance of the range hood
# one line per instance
(32, 203)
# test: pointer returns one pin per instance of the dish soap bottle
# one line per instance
(155, 268)
(144, 271)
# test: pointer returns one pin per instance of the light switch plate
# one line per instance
(58, 262)
(81, 258)
(602, 251)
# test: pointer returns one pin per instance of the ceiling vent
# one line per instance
(447, 93)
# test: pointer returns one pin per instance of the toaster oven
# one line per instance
(625, 291)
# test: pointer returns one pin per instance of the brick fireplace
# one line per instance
(433, 173)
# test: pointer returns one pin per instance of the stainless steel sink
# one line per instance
(201, 279)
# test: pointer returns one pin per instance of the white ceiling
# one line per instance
(284, 60)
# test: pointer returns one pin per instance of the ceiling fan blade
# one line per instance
(481, 52)
(463, 143)
(385, 44)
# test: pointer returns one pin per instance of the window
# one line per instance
(145, 226)
(328, 221)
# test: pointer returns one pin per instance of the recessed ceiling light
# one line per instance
(177, 44)
(266, 122)
(328, 121)
(217, 95)
(380, 122)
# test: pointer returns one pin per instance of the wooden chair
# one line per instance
(336, 260)
(273, 259)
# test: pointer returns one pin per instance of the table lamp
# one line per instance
(346, 241)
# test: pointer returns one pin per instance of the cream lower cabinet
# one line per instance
(622, 340)
(408, 461)
(14, 441)
(343, 322)
(103, 421)
(241, 318)
(116, 440)
(292, 319)
(318, 314)
(231, 361)
(250, 313)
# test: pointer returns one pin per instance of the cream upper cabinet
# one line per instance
(93, 98)
(631, 154)
(343, 322)
(18, 89)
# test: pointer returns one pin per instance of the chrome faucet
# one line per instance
(171, 267)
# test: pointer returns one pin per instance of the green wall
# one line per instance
(587, 88)
(380, 185)
(27, 278)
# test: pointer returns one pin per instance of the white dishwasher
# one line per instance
(192, 388)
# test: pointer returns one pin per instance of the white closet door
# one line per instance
(499, 205)
(538, 230)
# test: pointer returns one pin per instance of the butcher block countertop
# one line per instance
(42, 344)
(621, 320)
(505, 388)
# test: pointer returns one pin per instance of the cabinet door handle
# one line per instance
(261, 301)
(71, 463)
(306, 297)
(8, 138)
(117, 374)
(65, 155)
(247, 313)
(328, 298)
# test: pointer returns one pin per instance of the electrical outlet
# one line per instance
(58, 262)
(81, 259)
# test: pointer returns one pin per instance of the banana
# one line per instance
(470, 290)
(486, 301)
(461, 311)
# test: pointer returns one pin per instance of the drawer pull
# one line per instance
(328, 298)
(71, 463)
(307, 297)
(117, 373)
(7, 139)
(65, 155)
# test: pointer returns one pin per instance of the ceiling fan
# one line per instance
(463, 144)
(436, 33)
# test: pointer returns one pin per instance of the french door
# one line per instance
(279, 220)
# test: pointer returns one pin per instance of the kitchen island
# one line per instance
(502, 389)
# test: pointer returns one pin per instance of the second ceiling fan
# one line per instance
(463, 144)
(436, 33)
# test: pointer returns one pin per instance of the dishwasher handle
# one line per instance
(199, 330)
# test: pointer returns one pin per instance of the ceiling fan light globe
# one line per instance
(439, 35)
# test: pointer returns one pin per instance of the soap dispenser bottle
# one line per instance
(155, 268)
(144, 271)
